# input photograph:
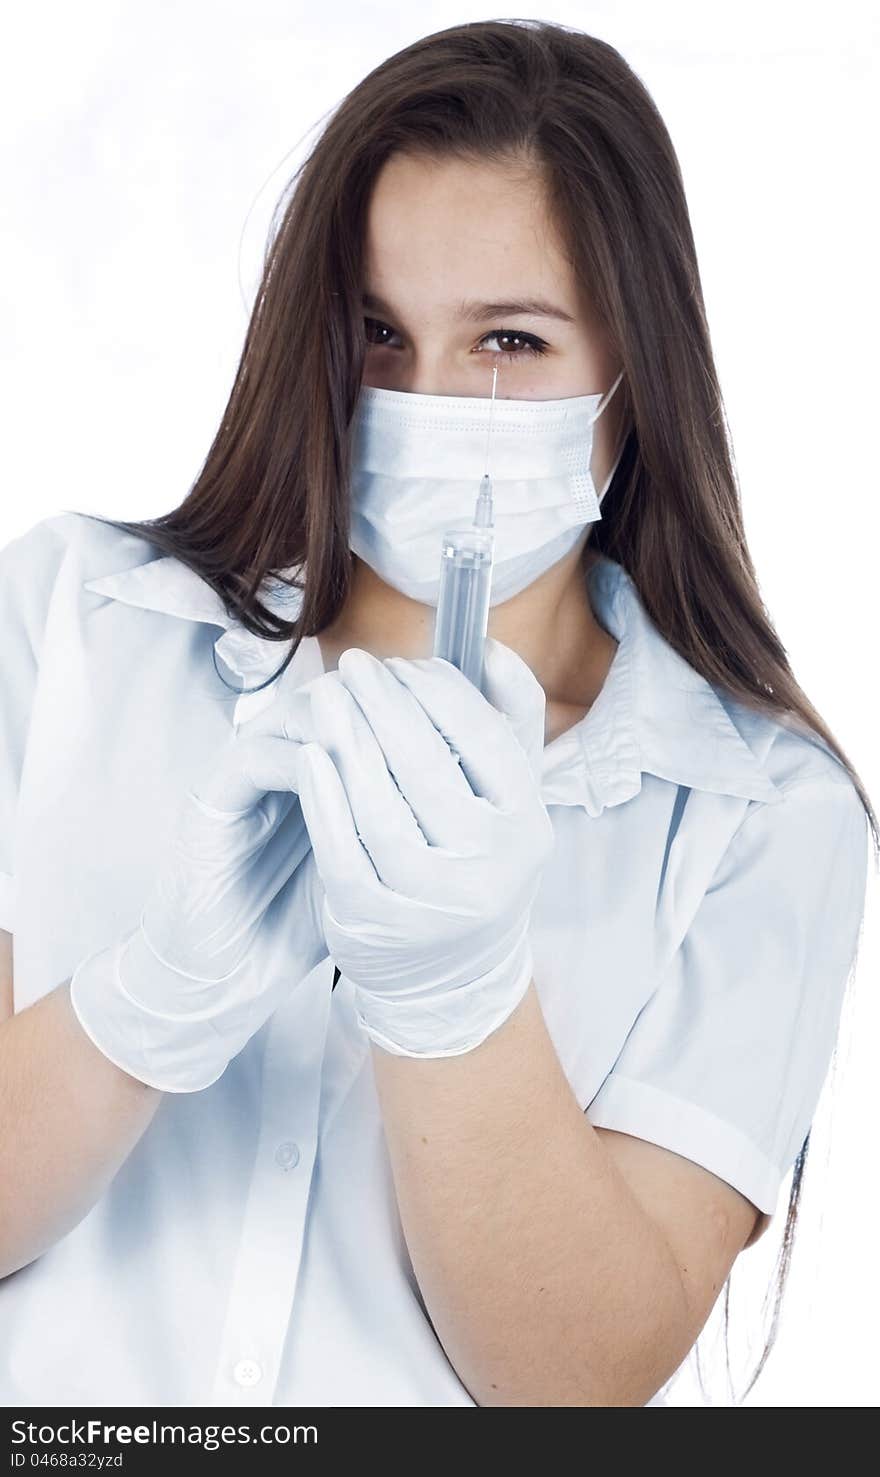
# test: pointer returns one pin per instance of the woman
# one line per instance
(418, 1045)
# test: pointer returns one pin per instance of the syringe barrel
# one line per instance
(463, 602)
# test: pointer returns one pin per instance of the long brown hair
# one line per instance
(273, 491)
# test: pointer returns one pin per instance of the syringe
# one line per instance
(466, 559)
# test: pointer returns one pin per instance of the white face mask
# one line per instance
(417, 461)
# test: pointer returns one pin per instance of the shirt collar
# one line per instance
(172, 588)
(654, 713)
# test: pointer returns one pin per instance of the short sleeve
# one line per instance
(28, 569)
(726, 1062)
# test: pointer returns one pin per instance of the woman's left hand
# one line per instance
(430, 862)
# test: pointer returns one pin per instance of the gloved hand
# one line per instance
(231, 925)
(429, 865)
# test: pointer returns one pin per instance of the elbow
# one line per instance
(626, 1365)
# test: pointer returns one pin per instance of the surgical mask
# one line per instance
(417, 461)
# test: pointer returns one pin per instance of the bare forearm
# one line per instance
(69, 1118)
(546, 1281)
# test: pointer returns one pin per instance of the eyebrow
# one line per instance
(478, 312)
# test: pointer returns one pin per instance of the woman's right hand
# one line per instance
(231, 925)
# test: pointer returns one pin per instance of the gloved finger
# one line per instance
(511, 686)
(287, 846)
(383, 817)
(296, 910)
(492, 760)
(416, 754)
(247, 768)
(287, 716)
(345, 868)
(271, 835)
(221, 872)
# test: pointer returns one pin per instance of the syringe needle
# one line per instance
(491, 411)
(484, 515)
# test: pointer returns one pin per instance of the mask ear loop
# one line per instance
(602, 404)
(605, 398)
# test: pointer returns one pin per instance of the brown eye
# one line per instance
(372, 329)
(530, 344)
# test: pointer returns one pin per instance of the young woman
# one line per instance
(372, 1038)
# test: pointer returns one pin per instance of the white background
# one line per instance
(143, 150)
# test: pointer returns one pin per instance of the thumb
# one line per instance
(511, 686)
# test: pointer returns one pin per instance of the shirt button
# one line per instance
(247, 1372)
(287, 1154)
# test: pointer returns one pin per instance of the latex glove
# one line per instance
(429, 866)
(232, 923)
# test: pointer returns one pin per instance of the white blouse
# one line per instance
(692, 939)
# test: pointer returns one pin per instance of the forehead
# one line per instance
(454, 229)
